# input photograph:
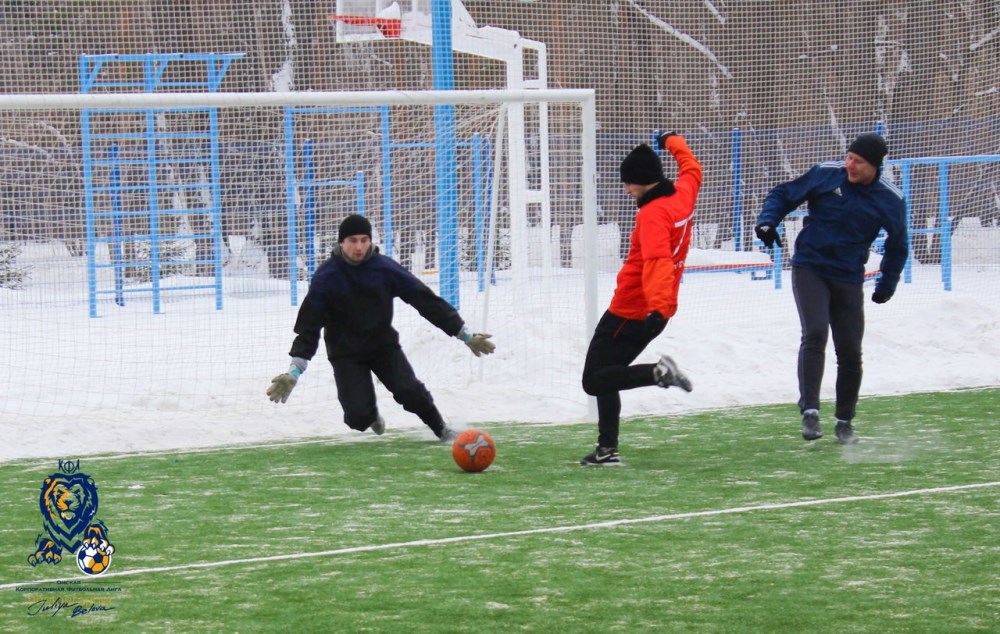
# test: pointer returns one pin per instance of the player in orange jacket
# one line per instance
(646, 295)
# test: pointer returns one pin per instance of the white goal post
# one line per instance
(145, 167)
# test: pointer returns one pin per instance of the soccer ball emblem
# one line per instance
(92, 561)
(473, 450)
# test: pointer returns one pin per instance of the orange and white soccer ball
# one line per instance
(474, 450)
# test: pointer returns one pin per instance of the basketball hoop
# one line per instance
(390, 28)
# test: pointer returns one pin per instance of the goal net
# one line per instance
(154, 248)
(174, 236)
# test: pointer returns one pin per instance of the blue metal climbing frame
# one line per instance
(134, 143)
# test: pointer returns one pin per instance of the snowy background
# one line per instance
(194, 376)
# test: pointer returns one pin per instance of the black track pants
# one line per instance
(356, 390)
(825, 307)
(616, 344)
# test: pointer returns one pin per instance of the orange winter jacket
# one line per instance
(650, 278)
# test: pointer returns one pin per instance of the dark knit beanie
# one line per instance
(354, 225)
(642, 167)
(870, 147)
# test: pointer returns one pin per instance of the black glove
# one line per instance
(655, 323)
(880, 296)
(768, 235)
(661, 140)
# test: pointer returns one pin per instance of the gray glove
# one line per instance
(283, 384)
(478, 342)
(281, 387)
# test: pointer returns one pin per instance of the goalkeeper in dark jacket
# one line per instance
(350, 298)
(849, 202)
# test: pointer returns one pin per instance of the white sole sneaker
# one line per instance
(666, 373)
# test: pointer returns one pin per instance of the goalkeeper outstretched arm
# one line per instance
(283, 384)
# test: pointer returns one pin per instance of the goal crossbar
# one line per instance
(276, 99)
(584, 97)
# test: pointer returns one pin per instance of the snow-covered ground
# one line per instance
(194, 376)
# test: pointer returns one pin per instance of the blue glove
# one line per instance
(768, 235)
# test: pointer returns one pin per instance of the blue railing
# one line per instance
(943, 227)
(145, 154)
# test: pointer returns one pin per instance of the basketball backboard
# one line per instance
(383, 18)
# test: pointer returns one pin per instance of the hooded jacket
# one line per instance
(650, 278)
(844, 220)
(353, 305)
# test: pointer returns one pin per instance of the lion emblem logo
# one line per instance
(68, 502)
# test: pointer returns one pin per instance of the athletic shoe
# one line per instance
(602, 457)
(447, 435)
(845, 433)
(666, 373)
(810, 427)
(378, 427)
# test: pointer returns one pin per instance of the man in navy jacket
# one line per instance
(350, 298)
(849, 202)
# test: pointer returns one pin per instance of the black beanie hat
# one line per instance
(642, 167)
(354, 225)
(870, 147)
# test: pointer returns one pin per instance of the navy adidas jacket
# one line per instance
(844, 220)
(353, 305)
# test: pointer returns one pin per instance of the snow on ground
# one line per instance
(195, 376)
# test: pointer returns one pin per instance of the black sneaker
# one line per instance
(602, 457)
(666, 373)
(810, 427)
(448, 435)
(845, 433)
(378, 427)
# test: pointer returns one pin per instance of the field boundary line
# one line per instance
(533, 531)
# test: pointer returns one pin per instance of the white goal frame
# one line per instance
(586, 99)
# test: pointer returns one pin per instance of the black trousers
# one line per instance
(356, 390)
(607, 370)
(826, 306)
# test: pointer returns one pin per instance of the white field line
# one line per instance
(534, 531)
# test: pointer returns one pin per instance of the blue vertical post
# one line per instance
(216, 189)
(737, 196)
(359, 191)
(778, 255)
(115, 181)
(944, 225)
(310, 206)
(293, 255)
(488, 204)
(154, 208)
(446, 163)
(905, 182)
(477, 190)
(388, 240)
(88, 196)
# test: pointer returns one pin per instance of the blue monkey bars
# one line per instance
(103, 183)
